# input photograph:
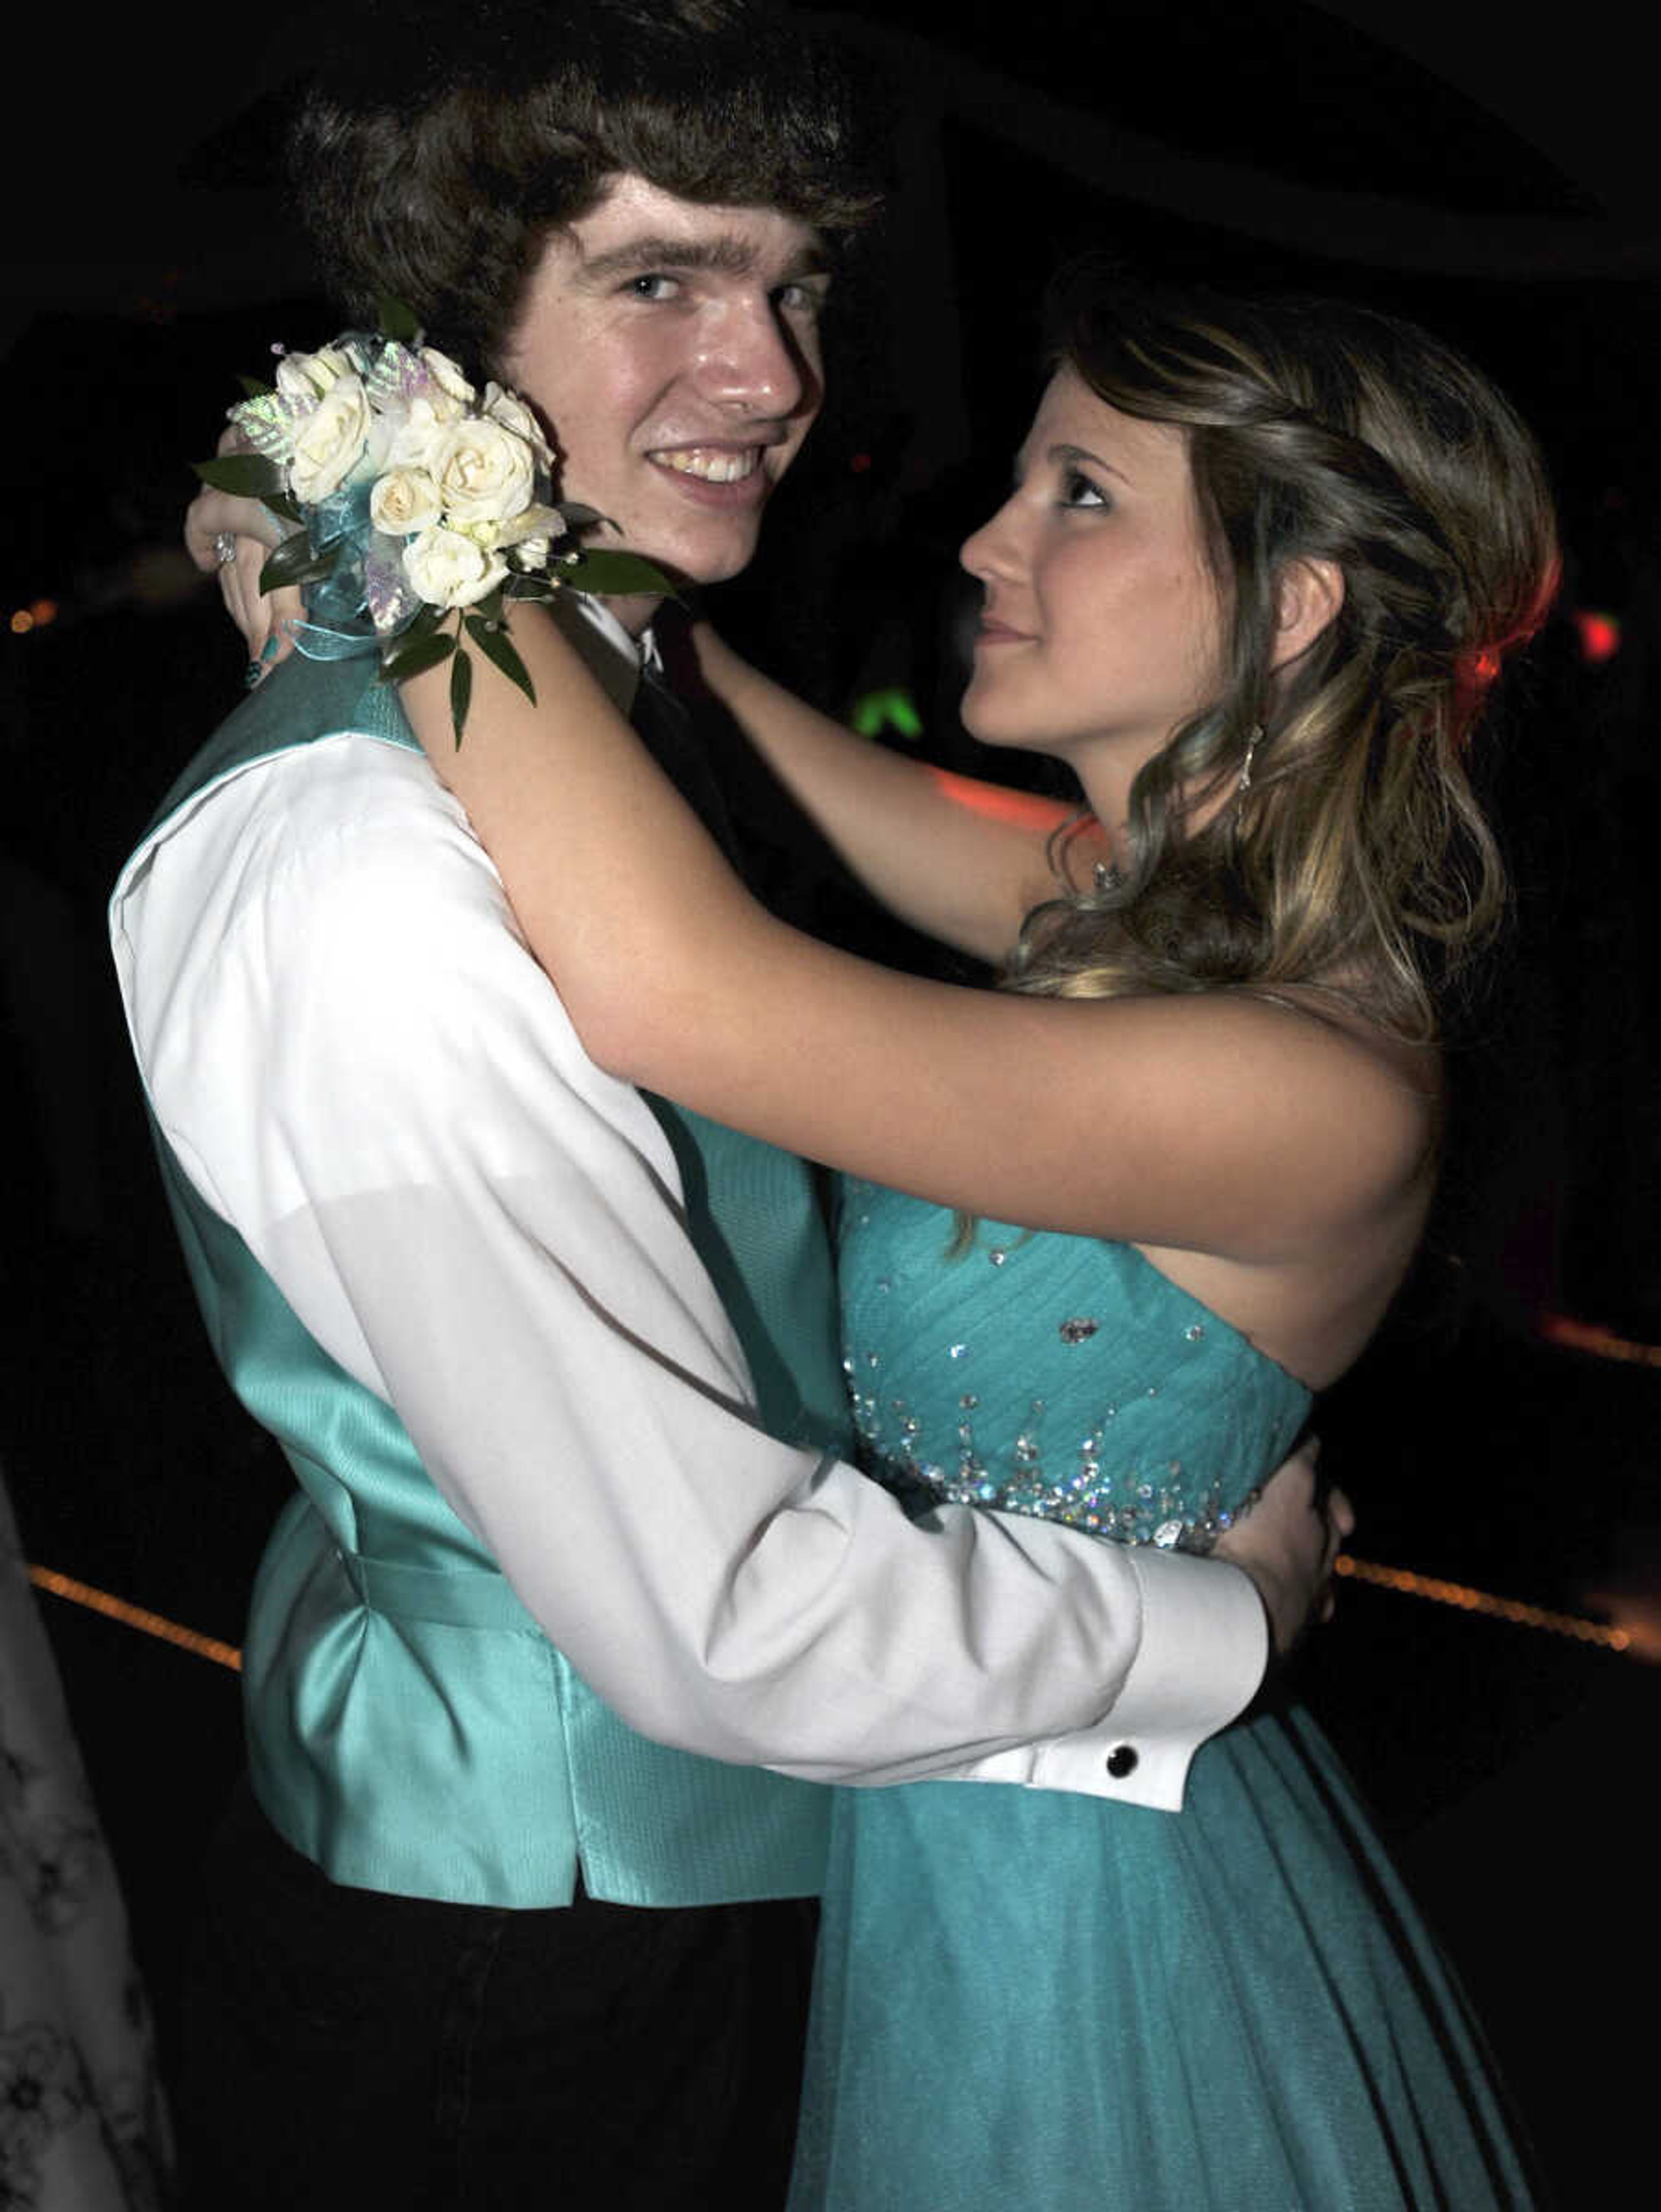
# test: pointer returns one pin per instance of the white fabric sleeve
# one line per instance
(361, 1068)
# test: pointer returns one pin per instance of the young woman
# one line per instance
(1259, 569)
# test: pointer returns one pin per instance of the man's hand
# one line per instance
(1288, 1544)
(215, 519)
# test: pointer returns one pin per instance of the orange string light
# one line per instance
(135, 1616)
(1601, 1343)
(1476, 1601)
(1555, 1328)
(1401, 1579)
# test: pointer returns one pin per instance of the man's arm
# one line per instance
(362, 1069)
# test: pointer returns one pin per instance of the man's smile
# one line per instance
(713, 464)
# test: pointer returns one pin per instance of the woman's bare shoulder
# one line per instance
(1332, 1195)
(1380, 1073)
(1295, 1120)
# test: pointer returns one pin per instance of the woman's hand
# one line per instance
(233, 537)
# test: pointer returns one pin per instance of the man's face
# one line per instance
(674, 351)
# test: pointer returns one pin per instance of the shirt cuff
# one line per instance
(1202, 1654)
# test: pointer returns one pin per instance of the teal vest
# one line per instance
(411, 1727)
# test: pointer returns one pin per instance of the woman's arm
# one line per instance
(1224, 1125)
(961, 860)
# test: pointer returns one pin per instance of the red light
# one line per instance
(860, 463)
(1600, 635)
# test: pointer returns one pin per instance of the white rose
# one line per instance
(404, 501)
(328, 446)
(543, 522)
(377, 447)
(305, 376)
(454, 392)
(483, 473)
(507, 409)
(531, 554)
(415, 436)
(449, 570)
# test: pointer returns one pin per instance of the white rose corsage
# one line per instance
(423, 507)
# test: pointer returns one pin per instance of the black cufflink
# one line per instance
(1121, 1761)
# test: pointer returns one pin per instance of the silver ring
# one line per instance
(224, 548)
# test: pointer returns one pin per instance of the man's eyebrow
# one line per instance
(725, 256)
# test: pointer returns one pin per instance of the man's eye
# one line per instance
(652, 286)
(801, 298)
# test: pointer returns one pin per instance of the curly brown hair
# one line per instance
(433, 154)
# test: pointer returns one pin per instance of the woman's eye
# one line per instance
(1079, 491)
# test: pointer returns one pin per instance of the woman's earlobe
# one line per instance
(1311, 595)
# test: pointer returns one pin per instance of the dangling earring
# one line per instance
(1252, 743)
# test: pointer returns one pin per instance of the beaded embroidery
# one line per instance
(934, 1444)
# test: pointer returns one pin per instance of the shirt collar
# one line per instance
(612, 656)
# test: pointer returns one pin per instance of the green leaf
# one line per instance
(279, 502)
(618, 574)
(245, 476)
(295, 563)
(403, 660)
(578, 517)
(499, 648)
(461, 692)
(397, 321)
(253, 388)
(488, 609)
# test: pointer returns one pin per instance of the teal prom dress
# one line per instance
(1027, 1999)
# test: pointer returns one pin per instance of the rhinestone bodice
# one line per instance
(1051, 1375)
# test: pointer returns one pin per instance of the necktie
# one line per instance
(666, 730)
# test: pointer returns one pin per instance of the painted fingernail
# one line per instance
(252, 674)
(270, 650)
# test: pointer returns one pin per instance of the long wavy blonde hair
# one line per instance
(1358, 859)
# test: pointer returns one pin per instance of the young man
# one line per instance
(556, 1367)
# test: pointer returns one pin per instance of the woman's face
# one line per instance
(1102, 628)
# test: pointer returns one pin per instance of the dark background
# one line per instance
(1487, 171)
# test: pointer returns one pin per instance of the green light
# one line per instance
(890, 709)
